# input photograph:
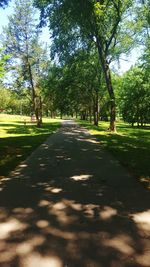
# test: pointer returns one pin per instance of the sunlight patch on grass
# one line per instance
(13, 126)
(19, 140)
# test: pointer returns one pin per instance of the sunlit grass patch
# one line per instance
(130, 145)
(12, 125)
(18, 140)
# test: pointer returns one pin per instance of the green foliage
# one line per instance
(21, 40)
(5, 96)
(73, 87)
(77, 24)
(3, 60)
(142, 11)
(135, 97)
(13, 103)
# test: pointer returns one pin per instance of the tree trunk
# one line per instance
(83, 115)
(90, 114)
(61, 114)
(37, 103)
(96, 109)
(38, 110)
(86, 115)
(107, 75)
(95, 115)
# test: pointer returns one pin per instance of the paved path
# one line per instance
(71, 204)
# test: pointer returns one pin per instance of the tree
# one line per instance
(143, 13)
(84, 83)
(21, 40)
(11, 102)
(4, 98)
(135, 97)
(74, 87)
(82, 23)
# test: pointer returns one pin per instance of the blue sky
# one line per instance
(3, 16)
(125, 64)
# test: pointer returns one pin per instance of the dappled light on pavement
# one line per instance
(81, 177)
(107, 213)
(142, 219)
(122, 243)
(72, 205)
(11, 225)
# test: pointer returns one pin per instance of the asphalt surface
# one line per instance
(71, 204)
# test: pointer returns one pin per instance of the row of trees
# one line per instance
(13, 103)
(87, 36)
(75, 98)
(88, 25)
(81, 94)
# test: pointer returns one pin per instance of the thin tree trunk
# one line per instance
(38, 110)
(95, 108)
(61, 115)
(90, 114)
(37, 103)
(95, 115)
(86, 115)
(107, 75)
(83, 115)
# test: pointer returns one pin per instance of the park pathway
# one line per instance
(71, 204)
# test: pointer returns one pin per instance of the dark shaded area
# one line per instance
(71, 204)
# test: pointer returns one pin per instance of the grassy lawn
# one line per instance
(131, 146)
(17, 140)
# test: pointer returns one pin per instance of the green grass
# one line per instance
(130, 145)
(17, 140)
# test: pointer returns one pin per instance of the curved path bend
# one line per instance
(71, 204)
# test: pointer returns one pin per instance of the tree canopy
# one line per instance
(87, 36)
(83, 24)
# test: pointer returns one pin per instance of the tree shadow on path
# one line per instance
(71, 204)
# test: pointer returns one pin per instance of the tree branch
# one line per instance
(114, 30)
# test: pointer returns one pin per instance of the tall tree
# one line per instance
(80, 23)
(21, 39)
